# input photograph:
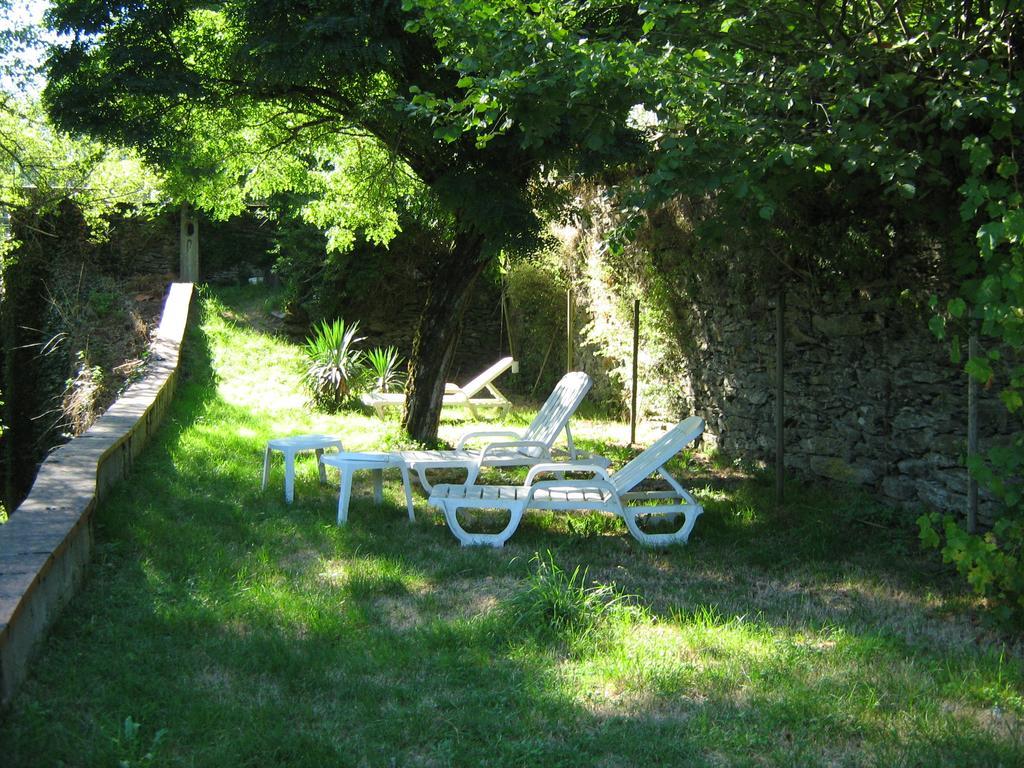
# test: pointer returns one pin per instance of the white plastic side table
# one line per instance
(349, 463)
(289, 446)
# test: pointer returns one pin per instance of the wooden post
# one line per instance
(636, 361)
(568, 329)
(189, 238)
(780, 396)
(972, 436)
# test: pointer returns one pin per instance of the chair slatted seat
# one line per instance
(615, 492)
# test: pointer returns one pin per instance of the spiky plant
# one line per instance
(334, 371)
(384, 365)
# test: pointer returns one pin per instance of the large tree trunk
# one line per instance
(437, 336)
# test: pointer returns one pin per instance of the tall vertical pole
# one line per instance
(636, 367)
(568, 329)
(780, 395)
(188, 270)
(972, 436)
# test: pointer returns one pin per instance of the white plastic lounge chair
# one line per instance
(612, 492)
(466, 395)
(513, 449)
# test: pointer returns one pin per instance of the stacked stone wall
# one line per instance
(871, 396)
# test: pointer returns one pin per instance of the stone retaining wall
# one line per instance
(47, 543)
(871, 396)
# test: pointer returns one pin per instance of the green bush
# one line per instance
(536, 305)
(334, 372)
(384, 366)
(991, 561)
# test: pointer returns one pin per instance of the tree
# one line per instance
(49, 182)
(888, 120)
(41, 166)
(167, 79)
(907, 115)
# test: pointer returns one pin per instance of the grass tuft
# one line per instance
(556, 604)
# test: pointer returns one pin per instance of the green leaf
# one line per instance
(929, 536)
(465, 81)
(728, 24)
(766, 212)
(979, 369)
(1013, 223)
(956, 307)
(990, 236)
(937, 325)
(980, 156)
(1012, 399)
(1007, 167)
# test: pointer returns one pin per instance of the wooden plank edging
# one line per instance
(47, 543)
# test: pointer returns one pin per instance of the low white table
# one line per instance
(289, 446)
(348, 463)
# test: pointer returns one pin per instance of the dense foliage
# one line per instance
(58, 293)
(819, 133)
(250, 98)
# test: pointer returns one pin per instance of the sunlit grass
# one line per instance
(220, 626)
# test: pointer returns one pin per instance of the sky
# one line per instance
(15, 14)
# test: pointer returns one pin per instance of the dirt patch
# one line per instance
(456, 600)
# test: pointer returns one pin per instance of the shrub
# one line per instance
(990, 561)
(384, 366)
(334, 370)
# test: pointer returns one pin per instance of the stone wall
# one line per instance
(46, 545)
(871, 396)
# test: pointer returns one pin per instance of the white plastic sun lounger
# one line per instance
(510, 448)
(466, 395)
(611, 492)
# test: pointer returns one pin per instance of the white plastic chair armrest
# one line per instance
(545, 453)
(595, 459)
(565, 466)
(485, 433)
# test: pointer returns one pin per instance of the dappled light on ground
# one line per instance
(256, 632)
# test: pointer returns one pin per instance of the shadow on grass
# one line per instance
(256, 656)
(260, 633)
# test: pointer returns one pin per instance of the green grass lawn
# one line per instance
(221, 627)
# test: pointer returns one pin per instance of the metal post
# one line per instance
(972, 437)
(780, 396)
(636, 361)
